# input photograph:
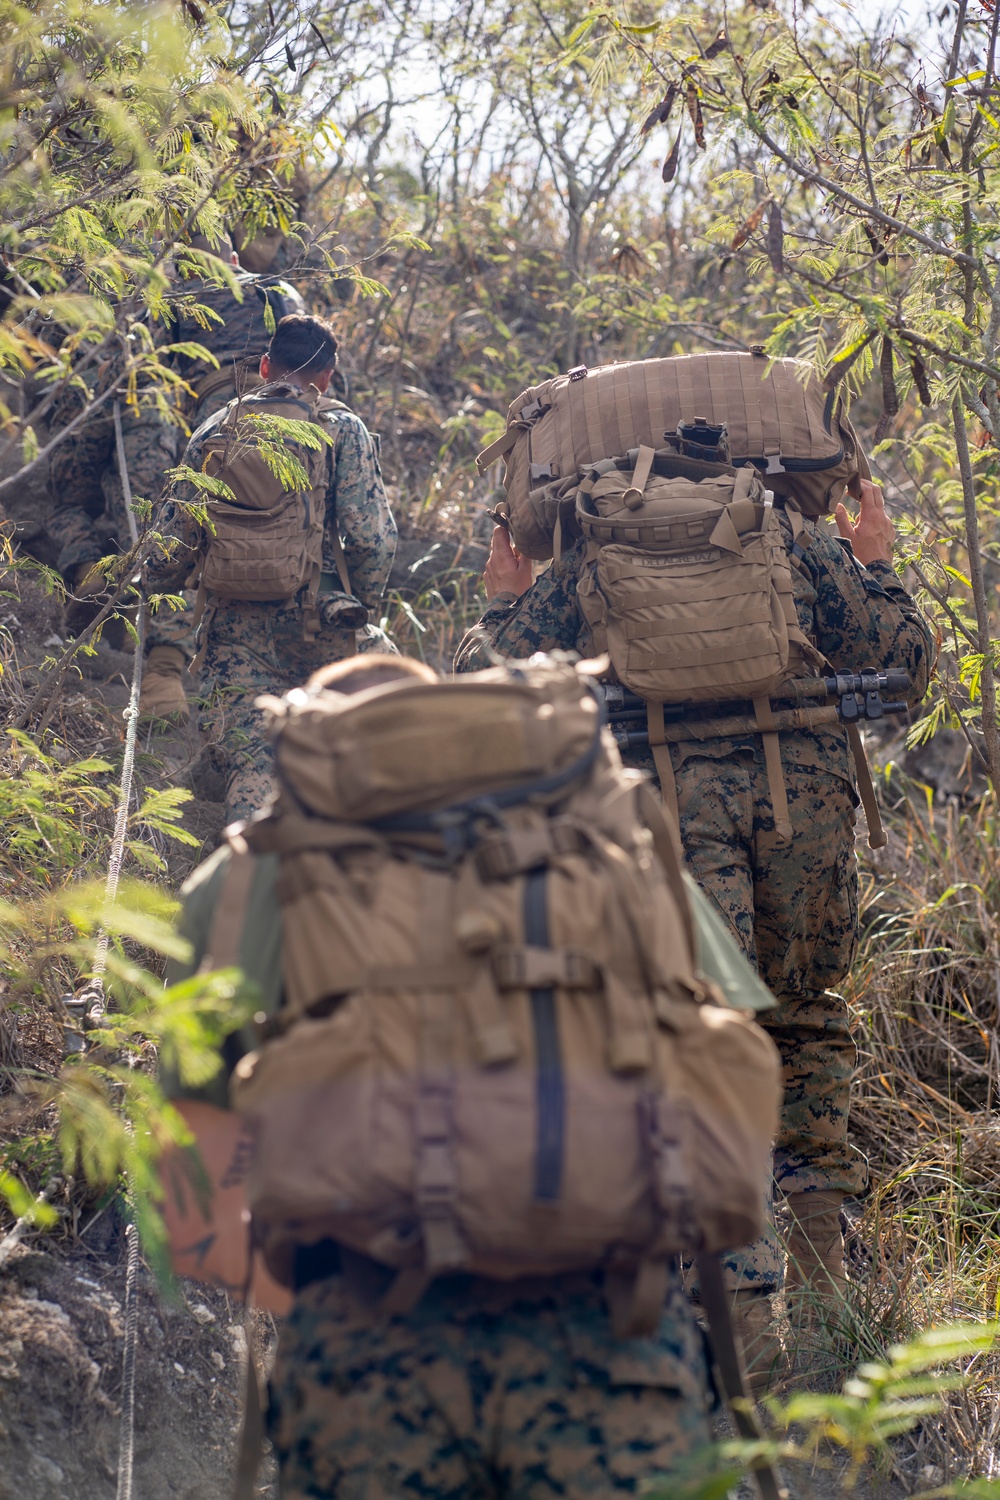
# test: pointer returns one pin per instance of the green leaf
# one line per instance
(24, 1205)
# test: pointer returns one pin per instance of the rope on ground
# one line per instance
(126, 1439)
(95, 989)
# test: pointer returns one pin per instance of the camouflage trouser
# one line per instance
(526, 1402)
(793, 907)
(87, 502)
(87, 515)
(254, 649)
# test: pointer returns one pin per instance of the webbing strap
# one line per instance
(666, 843)
(436, 1184)
(877, 836)
(636, 1302)
(341, 561)
(252, 1434)
(730, 1370)
(497, 449)
(661, 758)
(643, 466)
(772, 760)
(550, 1088)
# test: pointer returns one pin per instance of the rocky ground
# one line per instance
(61, 1337)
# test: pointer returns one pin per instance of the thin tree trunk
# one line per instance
(988, 687)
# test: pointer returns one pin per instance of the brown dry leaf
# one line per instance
(669, 167)
(628, 262)
(748, 226)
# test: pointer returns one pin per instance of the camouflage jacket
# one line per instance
(241, 333)
(859, 617)
(356, 506)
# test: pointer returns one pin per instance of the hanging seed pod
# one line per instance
(697, 118)
(776, 238)
(669, 167)
(719, 45)
(919, 372)
(747, 228)
(661, 114)
(837, 372)
(890, 396)
(877, 246)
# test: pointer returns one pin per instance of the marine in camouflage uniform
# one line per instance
(483, 1393)
(792, 906)
(237, 336)
(256, 648)
(87, 515)
(485, 1389)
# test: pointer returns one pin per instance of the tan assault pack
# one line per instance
(494, 1054)
(267, 541)
(781, 418)
(689, 590)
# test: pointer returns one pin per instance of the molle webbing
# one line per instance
(780, 418)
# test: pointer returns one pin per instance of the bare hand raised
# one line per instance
(871, 536)
(506, 572)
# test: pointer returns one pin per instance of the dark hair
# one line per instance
(302, 345)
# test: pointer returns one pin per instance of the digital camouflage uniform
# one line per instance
(237, 339)
(87, 514)
(792, 906)
(258, 648)
(477, 1396)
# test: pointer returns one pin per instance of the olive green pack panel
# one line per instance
(266, 542)
(495, 1054)
(780, 417)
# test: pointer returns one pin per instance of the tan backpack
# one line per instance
(266, 543)
(494, 1053)
(780, 417)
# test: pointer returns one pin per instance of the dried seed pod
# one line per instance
(776, 238)
(694, 110)
(669, 167)
(661, 114)
(748, 226)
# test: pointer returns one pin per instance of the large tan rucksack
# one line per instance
(780, 418)
(266, 542)
(494, 1053)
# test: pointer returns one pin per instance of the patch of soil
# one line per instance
(61, 1339)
